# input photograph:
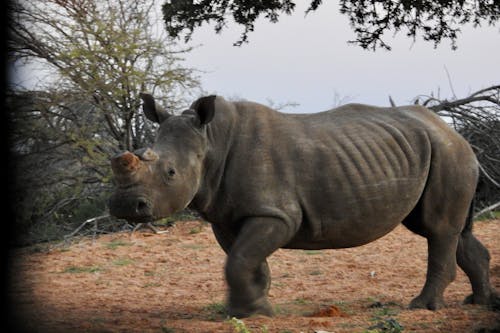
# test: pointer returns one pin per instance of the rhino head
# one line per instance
(155, 182)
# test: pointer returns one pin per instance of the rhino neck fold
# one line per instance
(220, 134)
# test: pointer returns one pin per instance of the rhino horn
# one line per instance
(125, 163)
(146, 154)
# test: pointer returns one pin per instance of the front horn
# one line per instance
(125, 163)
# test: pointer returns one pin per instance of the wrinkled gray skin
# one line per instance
(336, 179)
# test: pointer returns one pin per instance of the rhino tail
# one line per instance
(470, 217)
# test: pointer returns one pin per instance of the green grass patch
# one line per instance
(344, 306)
(193, 246)
(238, 325)
(123, 262)
(312, 252)
(492, 215)
(165, 329)
(82, 269)
(195, 230)
(113, 245)
(382, 312)
(386, 325)
(297, 307)
(384, 318)
(215, 310)
(280, 310)
(185, 215)
(301, 301)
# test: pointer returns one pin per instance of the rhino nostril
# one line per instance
(142, 207)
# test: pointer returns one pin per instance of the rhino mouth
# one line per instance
(139, 219)
(133, 209)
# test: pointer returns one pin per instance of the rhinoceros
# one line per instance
(336, 179)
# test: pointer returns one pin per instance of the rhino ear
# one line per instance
(152, 110)
(205, 109)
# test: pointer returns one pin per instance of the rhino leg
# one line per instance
(247, 272)
(226, 240)
(441, 216)
(474, 260)
(441, 271)
(441, 222)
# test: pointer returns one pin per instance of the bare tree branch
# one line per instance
(477, 118)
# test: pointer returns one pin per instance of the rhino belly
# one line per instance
(342, 220)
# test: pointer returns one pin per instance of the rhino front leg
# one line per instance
(247, 272)
(226, 239)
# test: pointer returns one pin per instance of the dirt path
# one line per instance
(174, 283)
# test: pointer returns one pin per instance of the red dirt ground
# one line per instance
(174, 282)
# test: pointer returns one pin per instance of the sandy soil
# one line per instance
(174, 282)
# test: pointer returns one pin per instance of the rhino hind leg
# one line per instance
(440, 216)
(441, 271)
(473, 258)
(439, 223)
(442, 263)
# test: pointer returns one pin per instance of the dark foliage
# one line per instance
(371, 20)
(59, 150)
(435, 21)
(485, 138)
(184, 16)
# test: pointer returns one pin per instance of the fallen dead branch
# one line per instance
(487, 210)
(92, 220)
(150, 226)
(95, 230)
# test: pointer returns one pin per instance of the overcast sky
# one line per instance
(306, 59)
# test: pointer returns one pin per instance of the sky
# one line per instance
(306, 60)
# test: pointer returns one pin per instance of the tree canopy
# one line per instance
(433, 21)
(108, 51)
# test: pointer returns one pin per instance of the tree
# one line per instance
(100, 56)
(107, 51)
(60, 151)
(435, 21)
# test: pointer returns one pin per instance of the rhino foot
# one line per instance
(259, 307)
(492, 300)
(429, 303)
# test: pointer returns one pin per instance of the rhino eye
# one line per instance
(171, 172)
